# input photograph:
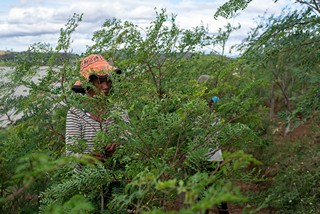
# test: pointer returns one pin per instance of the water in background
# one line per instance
(21, 90)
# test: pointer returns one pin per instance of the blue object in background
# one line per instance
(215, 99)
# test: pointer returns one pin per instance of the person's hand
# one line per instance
(110, 149)
(98, 156)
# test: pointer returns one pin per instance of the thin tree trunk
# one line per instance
(102, 199)
(287, 128)
(287, 102)
(272, 101)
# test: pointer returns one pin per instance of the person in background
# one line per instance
(215, 99)
(82, 124)
(210, 83)
(214, 154)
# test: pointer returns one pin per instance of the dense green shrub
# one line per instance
(161, 164)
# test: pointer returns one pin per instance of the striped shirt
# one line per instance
(81, 130)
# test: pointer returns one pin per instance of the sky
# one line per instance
(25, 22)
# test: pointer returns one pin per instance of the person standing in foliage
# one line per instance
(82, 124)
(211, 83)
(214, 154)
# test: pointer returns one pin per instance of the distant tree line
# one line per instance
(15, 57)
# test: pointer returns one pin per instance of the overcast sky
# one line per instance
(24, 22)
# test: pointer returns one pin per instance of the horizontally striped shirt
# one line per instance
(81, 128)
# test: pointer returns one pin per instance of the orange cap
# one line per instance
(93, 65)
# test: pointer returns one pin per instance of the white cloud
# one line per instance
(30, 15)
(27, 22)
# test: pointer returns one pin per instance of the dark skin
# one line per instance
(102, 87)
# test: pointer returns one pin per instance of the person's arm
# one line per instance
(110, 149)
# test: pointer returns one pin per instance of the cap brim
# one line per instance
(77, 87)
(117, 71)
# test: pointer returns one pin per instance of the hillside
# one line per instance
(13, 57)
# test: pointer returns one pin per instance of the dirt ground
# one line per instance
(279, 140)
(309, 129)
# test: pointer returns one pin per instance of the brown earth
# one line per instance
(309, 130)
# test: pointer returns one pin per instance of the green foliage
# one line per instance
(229, 9)
(158, 52)
(282, 40)
(295, 183)
(77, 204)
(162, 160)
(34, 141)
(88, 183)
